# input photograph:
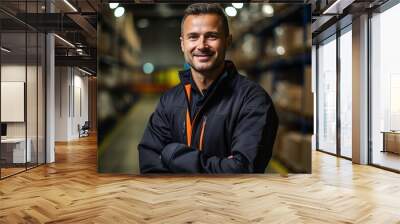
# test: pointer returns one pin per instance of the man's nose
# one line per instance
(202, 43)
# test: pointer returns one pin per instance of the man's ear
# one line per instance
(182, 47)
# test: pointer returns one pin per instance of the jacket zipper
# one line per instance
(193, 122)
(195, 116)
(203, 126)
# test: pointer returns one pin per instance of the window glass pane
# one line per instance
(31, 97)
(14, 148)
(327, 96)
(345, 94)
(22, 87)
(385, 84)
(41, 98)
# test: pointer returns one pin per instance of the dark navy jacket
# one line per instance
(233, 131)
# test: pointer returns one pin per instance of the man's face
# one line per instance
(204, 42)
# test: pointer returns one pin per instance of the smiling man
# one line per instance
(216, 120)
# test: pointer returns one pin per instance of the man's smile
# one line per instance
(203, 57)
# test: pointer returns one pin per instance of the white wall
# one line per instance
(62, 80)
(80, 110)
(13, 73)
(71, 94)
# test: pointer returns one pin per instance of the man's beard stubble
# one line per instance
(215, 65)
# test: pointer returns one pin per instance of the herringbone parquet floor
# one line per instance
(71, 191)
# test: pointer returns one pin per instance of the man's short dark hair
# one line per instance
(206, 8)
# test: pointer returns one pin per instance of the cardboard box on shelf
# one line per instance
(309, 39)
(240, 59)
(288, 96)
(266, 81)
(290, 37)
(270, 49)
(308, 98)
(296, 151)
(282, 130)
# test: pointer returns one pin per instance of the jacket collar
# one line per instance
(185, 75)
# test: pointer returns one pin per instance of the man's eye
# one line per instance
(192, 37)
(212, 37)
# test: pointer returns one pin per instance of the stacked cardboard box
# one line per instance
(290, 37)
(288, 96)
(308, 99)
(266, 81)
(296, 151)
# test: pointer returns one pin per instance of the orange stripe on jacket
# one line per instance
(188, 121)
(202, 135)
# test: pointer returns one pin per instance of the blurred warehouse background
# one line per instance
(139, 58)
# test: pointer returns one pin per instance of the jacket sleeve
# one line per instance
(252, 143)
(156, 135)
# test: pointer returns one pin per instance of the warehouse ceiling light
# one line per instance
(148, 68)
(230, 11)
(65, 41)
(79, 51)
(280, 50)
(164, 10)
(113, 5)
(5, 50)
(119, 12)
(70, 5)
(268, 10)
(238, 5)
(143, 23)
